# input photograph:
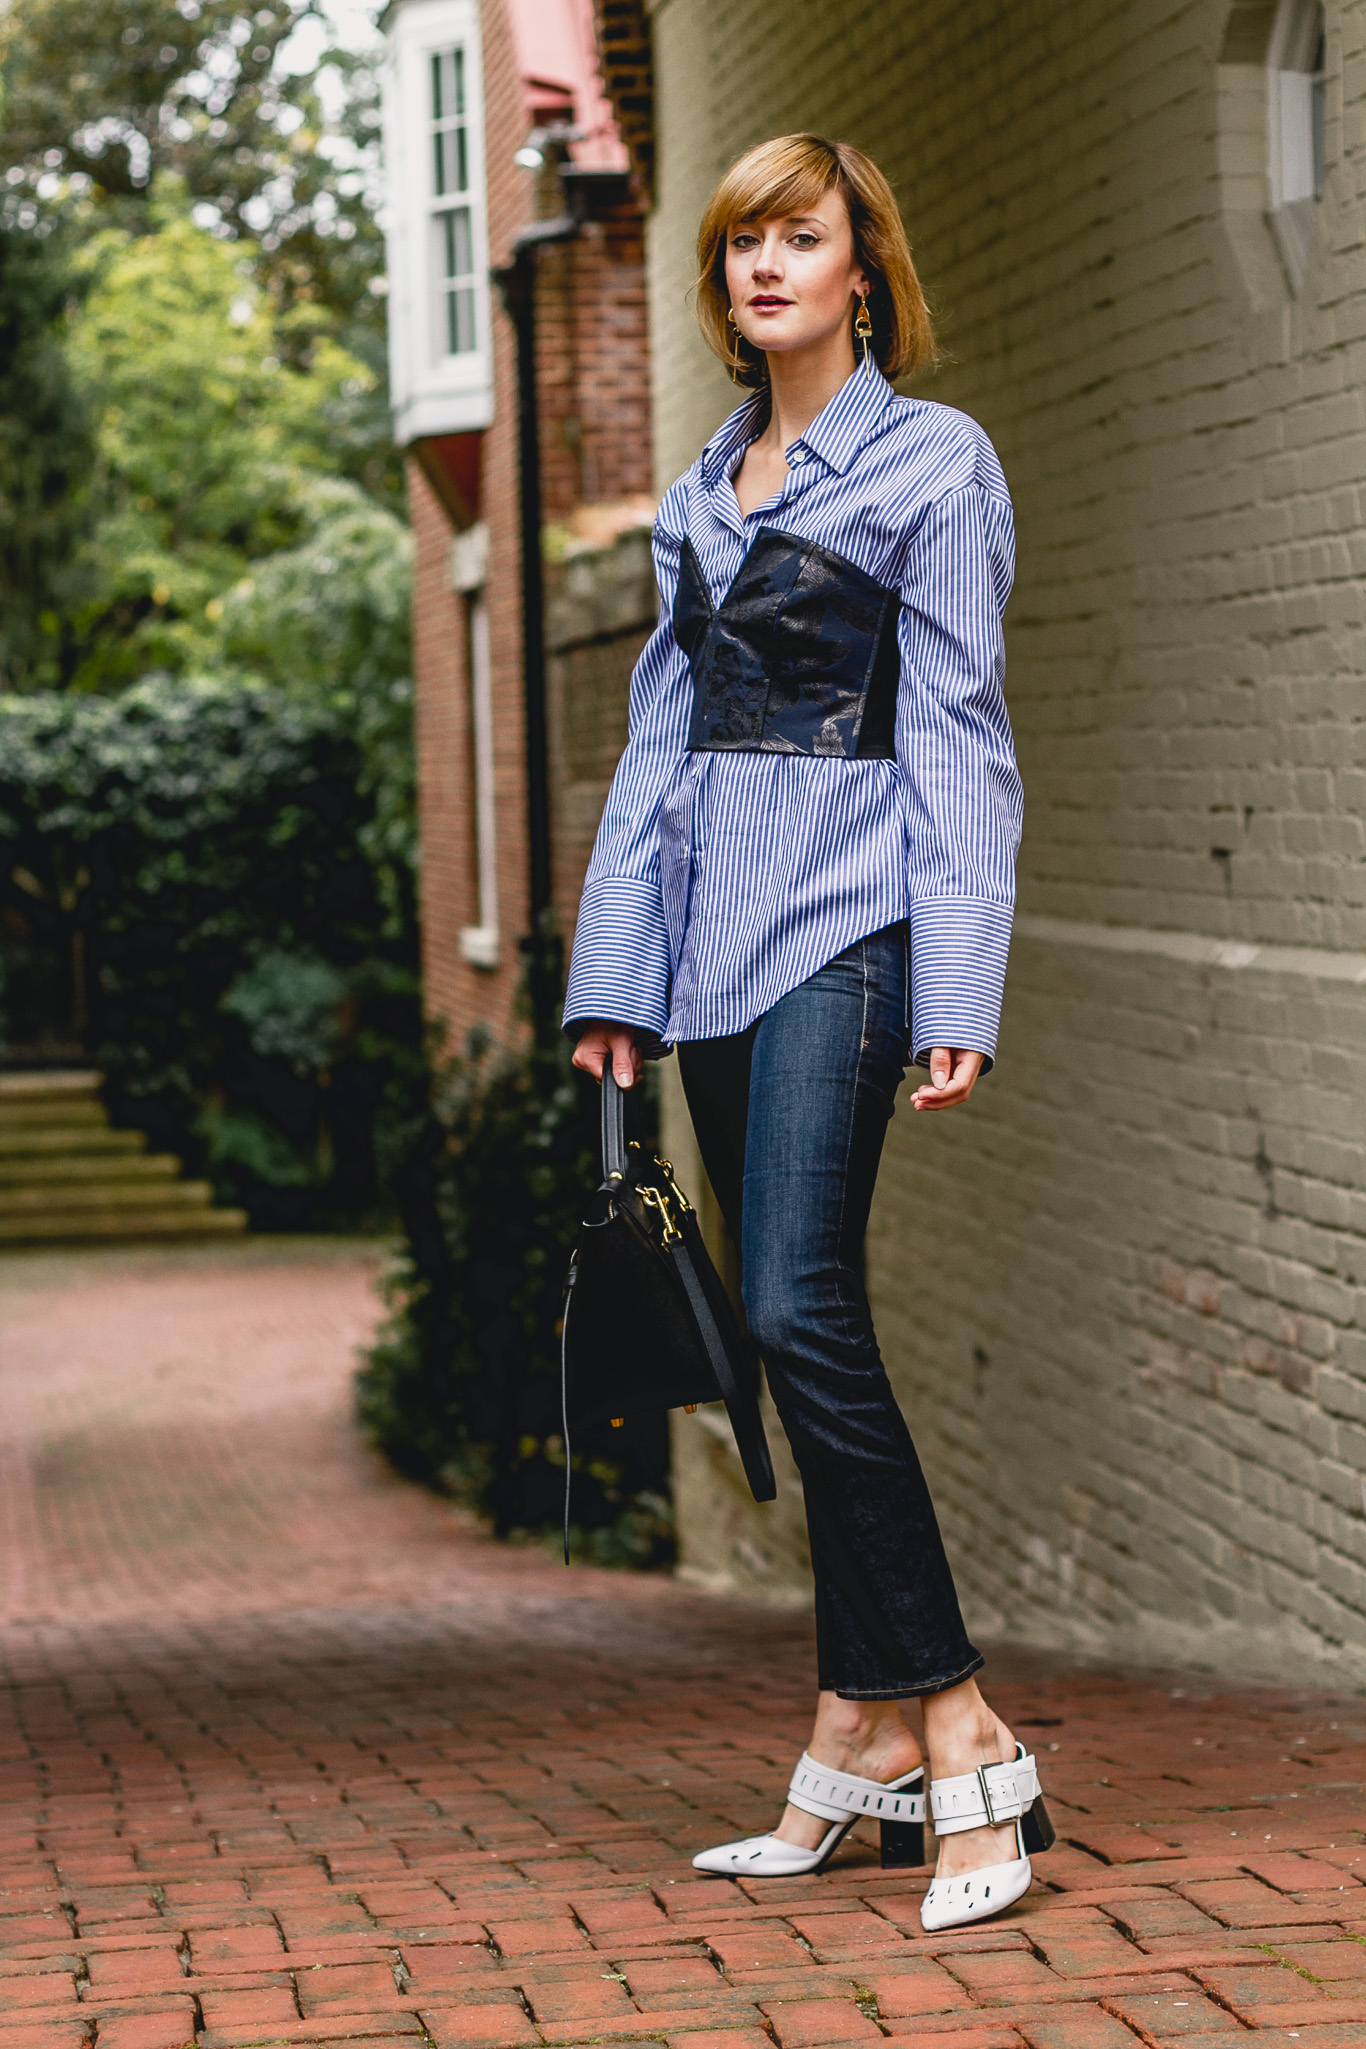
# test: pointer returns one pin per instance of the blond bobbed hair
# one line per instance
(787, 176)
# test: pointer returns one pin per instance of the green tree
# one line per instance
(210, 448)
(331, 618)
(103, 101)
(46, 457)
(111, 93)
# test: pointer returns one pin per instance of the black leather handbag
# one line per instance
(647, 1323)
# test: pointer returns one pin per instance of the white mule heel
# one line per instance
(993, 1794)
(841, 1798)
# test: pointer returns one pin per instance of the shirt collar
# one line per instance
(843, 425)
(836, 434)
(734, 433)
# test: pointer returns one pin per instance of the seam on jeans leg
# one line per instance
(850, 1308)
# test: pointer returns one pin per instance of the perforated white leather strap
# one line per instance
(834, 1796)
(992, 1794)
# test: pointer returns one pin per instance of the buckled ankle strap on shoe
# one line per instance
(835, 1796)
(994, 1793)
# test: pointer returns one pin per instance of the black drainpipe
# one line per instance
(516, 282)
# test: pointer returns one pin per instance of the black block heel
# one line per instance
(903, 1844)
(1036, 1830)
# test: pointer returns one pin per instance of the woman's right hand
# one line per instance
(601, 1043)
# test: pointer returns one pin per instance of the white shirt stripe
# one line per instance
(721, 880)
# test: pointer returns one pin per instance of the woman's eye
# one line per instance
(804, 240)
(743, 241)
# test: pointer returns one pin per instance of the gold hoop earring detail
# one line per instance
(863, 331)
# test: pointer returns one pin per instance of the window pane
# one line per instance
(459, 243)
(1297, 144)
(460, 320)
(452, 227)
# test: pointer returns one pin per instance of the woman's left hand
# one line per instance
(952, 1076)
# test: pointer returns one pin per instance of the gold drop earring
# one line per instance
(735, 360)
(863, 330)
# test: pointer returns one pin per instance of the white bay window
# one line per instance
(440, 364)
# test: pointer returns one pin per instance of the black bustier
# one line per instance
(800, 657)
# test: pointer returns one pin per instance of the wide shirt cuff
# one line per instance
(959, 948)
(619, 968)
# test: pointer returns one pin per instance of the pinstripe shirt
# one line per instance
(721, 880)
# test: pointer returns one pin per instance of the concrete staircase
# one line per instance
(66, 1177)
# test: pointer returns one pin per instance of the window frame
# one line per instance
(469, 569)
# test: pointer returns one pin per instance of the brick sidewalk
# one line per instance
(290, 1755)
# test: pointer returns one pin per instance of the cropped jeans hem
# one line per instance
(916, 1692)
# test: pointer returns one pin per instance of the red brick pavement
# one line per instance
(290, 1754)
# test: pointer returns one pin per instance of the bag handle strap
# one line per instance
(613, 1126)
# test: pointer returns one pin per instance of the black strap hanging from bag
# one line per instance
(647, 1323)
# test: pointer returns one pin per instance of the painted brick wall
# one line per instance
(1122, 1295)
(601, 606)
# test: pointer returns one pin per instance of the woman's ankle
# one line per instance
(868, 1738)
(962, 1732)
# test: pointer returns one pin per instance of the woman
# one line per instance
(805, 870)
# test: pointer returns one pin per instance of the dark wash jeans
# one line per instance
(790, 1116)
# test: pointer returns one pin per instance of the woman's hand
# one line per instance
(952, 1075)
(616, 1043)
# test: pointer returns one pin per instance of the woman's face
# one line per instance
(792, 281)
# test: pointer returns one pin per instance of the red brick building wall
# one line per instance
(444, 742)
(595, 447)
(593, 343)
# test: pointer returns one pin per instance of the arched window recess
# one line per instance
(1296, 94)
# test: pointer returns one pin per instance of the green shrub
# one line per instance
(241, 958)
(462, 1389)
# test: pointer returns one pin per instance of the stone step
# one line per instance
(67, 1178)
(63, 1226)
(56, 1170)
(132, 1195)
(49, 1084)
(91, 1139)
(61, 1113)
